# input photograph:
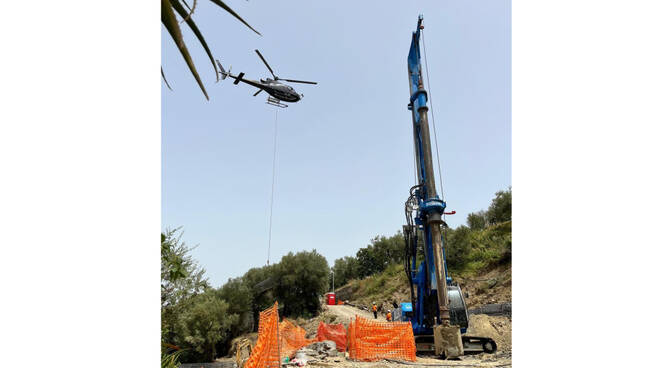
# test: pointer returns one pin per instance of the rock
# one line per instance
(327, 347)
(320, 349)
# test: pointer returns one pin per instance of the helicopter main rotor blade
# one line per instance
(265, 62)
(298, 81)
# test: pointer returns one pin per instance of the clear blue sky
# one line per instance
(345, 160)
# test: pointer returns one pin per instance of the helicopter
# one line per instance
(277, 90)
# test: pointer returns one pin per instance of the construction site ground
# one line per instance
(496, 327)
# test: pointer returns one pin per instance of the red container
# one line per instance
(331, 298)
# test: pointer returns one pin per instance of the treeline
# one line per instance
(484, 242)
(200, 321)
(372, 259)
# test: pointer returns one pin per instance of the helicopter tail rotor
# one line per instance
(223, 73)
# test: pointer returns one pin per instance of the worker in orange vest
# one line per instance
(389, 316)
(374, 308)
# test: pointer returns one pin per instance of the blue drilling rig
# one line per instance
(436, 300)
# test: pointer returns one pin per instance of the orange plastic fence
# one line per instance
(371, 340)
(292, 338)
(336, 333)
(265, 353)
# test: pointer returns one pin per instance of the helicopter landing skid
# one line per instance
(275, 102)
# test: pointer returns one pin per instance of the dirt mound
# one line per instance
(497, 328)
(311, 325)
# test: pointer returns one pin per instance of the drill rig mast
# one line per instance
(437, 311)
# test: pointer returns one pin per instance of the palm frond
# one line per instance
(184, 14)
(170, 360)
(230, 11)
(165, 79)
(168, 18)
(169, 21)
(190, 10)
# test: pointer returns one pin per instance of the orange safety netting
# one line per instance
(371, 340)
(336, 333)
(265, 353)
(292, 338)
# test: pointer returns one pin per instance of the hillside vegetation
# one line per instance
(383, 288)
(473, 251)
(484, 287)
(478, 257)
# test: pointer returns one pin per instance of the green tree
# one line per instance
(477, 220)
(389, 250)
(180, 279)
(345, 269)
(302, 278)
(238, 296)
(367, 264)
(382, 252)
(457, 247)
(202, 325)
(351, 269)
(500, 207)
(487, 240)
(261, 282)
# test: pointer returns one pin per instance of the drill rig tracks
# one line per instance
(471, 344)
(478, 345)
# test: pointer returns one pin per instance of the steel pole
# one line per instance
(333, 282)
(434, 221)
(443, 299)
